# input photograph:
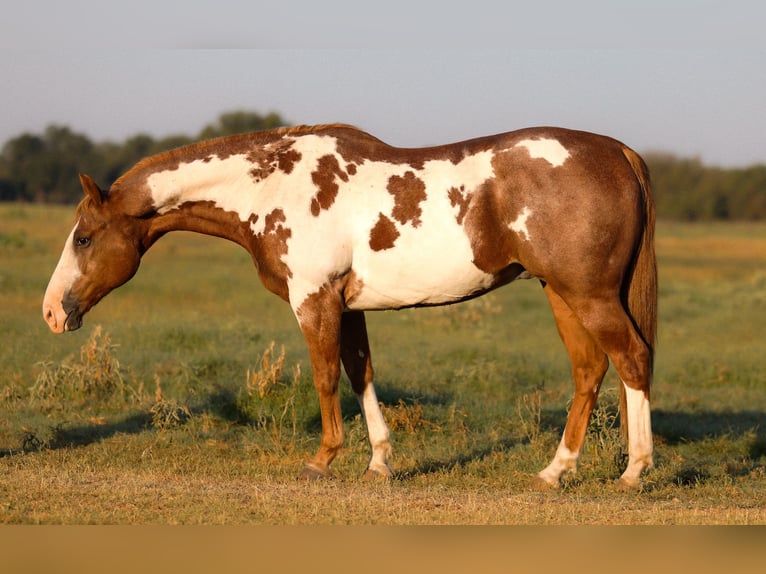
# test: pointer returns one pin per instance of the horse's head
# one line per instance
(102, 252)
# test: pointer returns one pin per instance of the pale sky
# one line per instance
(687, 77)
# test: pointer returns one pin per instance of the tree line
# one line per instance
(44, 168)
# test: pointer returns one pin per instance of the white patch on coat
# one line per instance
(548, 149)
(216, 180)
(519, 225)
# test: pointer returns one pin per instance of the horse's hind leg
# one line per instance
(589, 365)
(605, 318)
(355, 354)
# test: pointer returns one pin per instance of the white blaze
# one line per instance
(66, 273)
(548, 149)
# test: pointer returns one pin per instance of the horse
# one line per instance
(338, 223)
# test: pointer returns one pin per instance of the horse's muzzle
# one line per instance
(73, 314)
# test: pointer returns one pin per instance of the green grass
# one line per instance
(164, 408)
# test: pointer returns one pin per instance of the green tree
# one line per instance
(238, 122)
(686, 189)
(45, 168)
(18, 166)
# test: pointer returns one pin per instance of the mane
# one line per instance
(225, 145)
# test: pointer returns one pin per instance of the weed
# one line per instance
(268, 400)
(96, 375)
(10, 394)
(604, 445)
(263, 379)
(529, 410)
(407, 418)
(34, 440)
(167, 413)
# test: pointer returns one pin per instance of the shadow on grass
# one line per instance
(684, 427)
(87, 434)
(428, 467)
(675, 428)
(59, 437)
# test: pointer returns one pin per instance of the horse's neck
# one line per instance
(204, 196)
(200, 180)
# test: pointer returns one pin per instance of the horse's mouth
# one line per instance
(73, 319)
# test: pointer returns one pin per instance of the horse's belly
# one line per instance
(396, 280)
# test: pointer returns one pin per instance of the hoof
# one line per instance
(382, 475)
(623, 485)
(311, 472)
(537, 483)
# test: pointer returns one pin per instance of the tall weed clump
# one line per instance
(604, 453)
(267, 401)
(167, 413)
(96, 375)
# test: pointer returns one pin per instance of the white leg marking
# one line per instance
(639, 436)
(376, 430)
(548, 149)
(564, 461)
(519, 225)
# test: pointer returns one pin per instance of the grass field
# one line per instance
(186, 398)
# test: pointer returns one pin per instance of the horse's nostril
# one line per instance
(50, 317)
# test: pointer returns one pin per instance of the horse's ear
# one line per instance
(91, 189)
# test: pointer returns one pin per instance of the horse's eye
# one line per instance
(82, 241)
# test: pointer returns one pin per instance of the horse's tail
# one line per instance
(641, 284)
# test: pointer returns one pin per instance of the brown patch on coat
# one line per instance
(459, 198)
(277, 156)
(408, 192)
(327, 170)
(491, 241)
(269, 249)
(287, 159)
(263, 169)
(383, 235)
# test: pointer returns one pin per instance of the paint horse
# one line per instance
(338, 223)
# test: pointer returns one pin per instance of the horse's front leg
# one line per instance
(355, 355)
(319, 318)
